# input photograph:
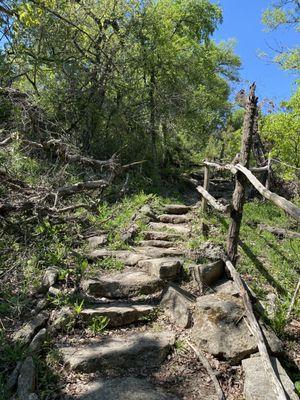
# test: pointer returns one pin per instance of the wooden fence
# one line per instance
(243, 177)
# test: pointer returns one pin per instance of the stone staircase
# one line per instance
(151, 309)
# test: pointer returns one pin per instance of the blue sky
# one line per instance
(242, 21)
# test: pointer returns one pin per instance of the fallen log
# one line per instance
(212, 201)
(280, 232)
(257, 332)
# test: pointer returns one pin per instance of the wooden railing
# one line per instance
(243, 176)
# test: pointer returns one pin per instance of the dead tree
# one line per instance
(238, 199)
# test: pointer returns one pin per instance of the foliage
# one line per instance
(284, 13)
(128, 75)
(282, 131)
(99, 324)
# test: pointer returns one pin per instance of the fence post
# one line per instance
(238, 198)
(204, 201)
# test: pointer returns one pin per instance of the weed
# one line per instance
(99, 324)
(77, 307)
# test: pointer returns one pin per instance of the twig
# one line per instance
(293, 300)
(209, 369)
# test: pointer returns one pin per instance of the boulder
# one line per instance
(163, 268)
(49, 278)
(128, 388)
(122, 285)
(27, 379)
(118, 314)
(220, 328)
(209, 273)
(94, 242)
(129, 234)
(115, 353)
(178, 304)
(13, 377)
(38, 341)
(26, 333)
(257, 385)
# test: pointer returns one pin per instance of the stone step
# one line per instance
(178, 209)
(179, 228)
(116, 353)
(173, 219)
(127, 388)
(163, 268)
(165, 236)
(257, 384)
(122, 285)
(156, 243)
(156, 252)
(129, 258)
(118, 314)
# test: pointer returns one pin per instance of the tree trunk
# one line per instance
(238, 199)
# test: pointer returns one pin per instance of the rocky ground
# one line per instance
(150, 324)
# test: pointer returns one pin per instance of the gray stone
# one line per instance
(155, 252)
(120, 352)
(41, 305)
(178, 209)
(165, 236)
(220, 328)
(127, 257)
(95, 242)
(33, 396)
(178, 304)
(225, 286)
(173, 219)
(48, 279)
(61, 318)
(122, 285)
(118, 314)
(26, 333)
(27, 379)
(209, 273)
(179, 228)
(38, 341)
(163, 268)
(128, 388)
(13, 377)
(156, 243)
(129, 234)
(257, 384)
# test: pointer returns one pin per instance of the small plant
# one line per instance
(99, 324)
(111, 263)
(77, 307)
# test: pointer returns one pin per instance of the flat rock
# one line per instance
(27, 379)
(257, 385)
(178, 304)
(156, 243)
(163, 268)
(220, 328)
(94, 242)
(165, 236)
(128, 388)
(155, 252)
(127, 257)
(179, 228)
(26, 333)
(122, 285)
(225, 286)
(120, 352)
(173, 219)
(178, 209)
(38, 341)
(118, 314)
